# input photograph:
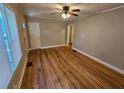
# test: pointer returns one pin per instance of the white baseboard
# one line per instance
(53, 46)
(100, 61)
(34, 48)
(23, 71)
(48, 46)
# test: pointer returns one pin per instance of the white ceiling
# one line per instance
(44, 10)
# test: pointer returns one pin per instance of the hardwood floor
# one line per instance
(63, 68)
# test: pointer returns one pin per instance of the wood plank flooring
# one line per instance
(63, 68)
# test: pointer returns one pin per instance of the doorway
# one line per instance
(34, 31)
(70, 32)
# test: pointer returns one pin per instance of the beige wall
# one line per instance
(19, 17)
(102, 36)
(52, 32)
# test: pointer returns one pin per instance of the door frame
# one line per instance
(68, 29)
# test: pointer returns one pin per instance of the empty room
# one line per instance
(62, 45)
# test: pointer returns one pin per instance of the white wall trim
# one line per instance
(48, 47)
(111, 9)
(46, 18)
(101, 12)
(53, 46)
(23, 71)
(34, 48)
(68, 30)
(100, 61)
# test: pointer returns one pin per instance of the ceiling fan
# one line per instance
(66, 12)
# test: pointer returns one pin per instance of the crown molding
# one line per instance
(46, 18)
(98, 13)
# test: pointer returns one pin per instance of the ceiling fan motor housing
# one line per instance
(66, 9)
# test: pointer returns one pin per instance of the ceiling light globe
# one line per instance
(64, 16)
(68, 15)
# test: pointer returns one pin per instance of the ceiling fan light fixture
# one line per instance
(66, 12)
(68, 15)
(64, 16)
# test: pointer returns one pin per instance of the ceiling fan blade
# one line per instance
(75, 10)
(58, 9)
(54, 13)
(73, 14)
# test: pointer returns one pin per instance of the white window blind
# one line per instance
(10, 51)
(13, 33)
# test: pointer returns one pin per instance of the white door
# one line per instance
(34, 31)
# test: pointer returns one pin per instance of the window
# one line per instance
(10, 51)
(14, 37)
